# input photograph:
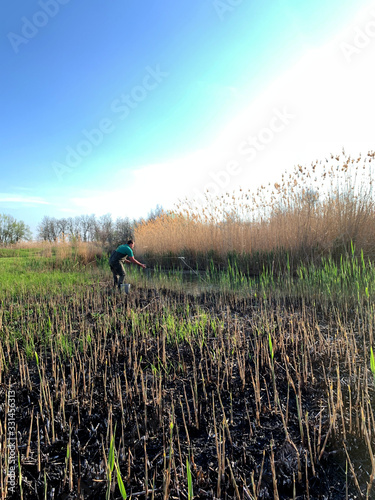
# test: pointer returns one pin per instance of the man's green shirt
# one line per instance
(125, 250)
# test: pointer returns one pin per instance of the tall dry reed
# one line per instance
(314, 210)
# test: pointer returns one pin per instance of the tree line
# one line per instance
(88, 228)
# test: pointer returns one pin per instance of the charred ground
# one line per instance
(260, 398)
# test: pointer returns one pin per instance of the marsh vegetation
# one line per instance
(241, 389)
(241, 366)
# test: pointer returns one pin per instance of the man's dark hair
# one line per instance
(130, 242)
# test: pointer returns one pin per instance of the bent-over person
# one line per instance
(123, 253)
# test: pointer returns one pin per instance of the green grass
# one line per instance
(19, 252)
(29, 274)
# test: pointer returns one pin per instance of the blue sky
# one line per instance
(117, 106)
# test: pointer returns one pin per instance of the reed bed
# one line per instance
(311, 212)
(249, 390)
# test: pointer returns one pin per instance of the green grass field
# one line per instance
(31, 273)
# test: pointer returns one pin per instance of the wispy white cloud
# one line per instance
(121, 202)
(22, 199)
(217, 90)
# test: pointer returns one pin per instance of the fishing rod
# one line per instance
(199, 276)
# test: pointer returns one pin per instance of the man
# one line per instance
(118, 256)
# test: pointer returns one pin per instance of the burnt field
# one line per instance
(166, 394)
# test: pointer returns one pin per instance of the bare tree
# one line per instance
(87, 226)
(155, 213)
(62, 225)
(73, 228)
(105, 230)
(48, 229)
(124, 230)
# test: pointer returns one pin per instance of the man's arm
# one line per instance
(134, 261)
